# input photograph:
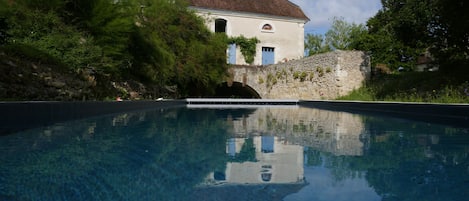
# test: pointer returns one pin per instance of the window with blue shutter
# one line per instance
(232, 54)
(268, 55)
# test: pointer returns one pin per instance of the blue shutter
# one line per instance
(231, 147)
(267, 145)
(232, 54)
(268, 55)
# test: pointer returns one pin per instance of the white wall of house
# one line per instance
(286, 36)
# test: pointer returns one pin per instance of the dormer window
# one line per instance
(267, 27)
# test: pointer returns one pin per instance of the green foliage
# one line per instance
(433, 87)
(247, 152)
(311, 76)
(320, 71)
(315, 44)
(392, 40)
(303, 76)
(111, 24)
(247, 45)
(450, 33)
(402, 30)
(47, 33)
(3, 24)
(271, 80)
(154, 41)
(31, 53)
(260, 80)
(296, 75)
(342, 35)
(197, 57)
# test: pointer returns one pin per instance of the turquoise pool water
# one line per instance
(262, 153)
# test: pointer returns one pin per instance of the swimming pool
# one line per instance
(250, 153)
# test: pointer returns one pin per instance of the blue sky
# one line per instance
(321, 12)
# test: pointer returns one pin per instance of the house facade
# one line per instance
(277, 24)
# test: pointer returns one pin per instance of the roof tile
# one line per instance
(283, 8)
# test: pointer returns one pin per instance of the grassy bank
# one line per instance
(434, 87)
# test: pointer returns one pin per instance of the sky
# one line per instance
(322, 186)
(321, 12)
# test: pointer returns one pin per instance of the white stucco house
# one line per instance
(277, 24)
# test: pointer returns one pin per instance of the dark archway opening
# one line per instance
(236, 90)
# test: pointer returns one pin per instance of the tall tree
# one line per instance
(3, 23)
(315, 44)
(196, 57)
(450, 31)
(419, 25)
(399, 32)
(342, 34)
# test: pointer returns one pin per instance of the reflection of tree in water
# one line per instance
(155, 155)
(247, 152)
(404, 161)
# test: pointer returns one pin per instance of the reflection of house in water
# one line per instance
(339, 133)
(274, 163)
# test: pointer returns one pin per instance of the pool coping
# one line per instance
(450, 114)
(23, 115)
(29, 114)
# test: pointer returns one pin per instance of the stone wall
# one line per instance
(322, 76)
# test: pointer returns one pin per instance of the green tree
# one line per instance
(110, 23)
(198, 59)
(315, 44)
(416, 26)
(156, 41)
(450, 31)
(384, 42)
(3, 23)
(342, 34)
(44, 31)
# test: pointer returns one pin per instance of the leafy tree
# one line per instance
(110, 23)
(416, 26)
(450, 31)
(315, 44)
(157, 41)
(197, 59)
(44, 31)
(3, 23)
(341, 36)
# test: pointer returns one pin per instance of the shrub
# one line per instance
(303, 76)
(296, 75)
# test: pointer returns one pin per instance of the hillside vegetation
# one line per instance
(401, 36)
(100, 49)
(147, 49)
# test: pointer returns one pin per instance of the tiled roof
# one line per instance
(283, 8)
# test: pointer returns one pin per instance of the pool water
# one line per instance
(258, 153)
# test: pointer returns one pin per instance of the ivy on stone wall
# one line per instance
(247, 46)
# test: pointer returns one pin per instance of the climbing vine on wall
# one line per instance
(247, 46)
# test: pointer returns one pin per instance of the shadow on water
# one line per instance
(154, 155)
(236, 154)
